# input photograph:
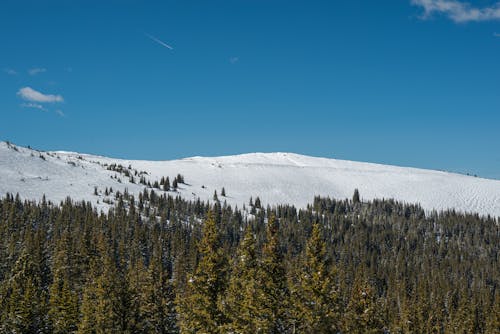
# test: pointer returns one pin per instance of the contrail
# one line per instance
(159, 42)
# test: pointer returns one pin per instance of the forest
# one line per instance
(162, 264)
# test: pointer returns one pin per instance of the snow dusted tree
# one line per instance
(25, 295)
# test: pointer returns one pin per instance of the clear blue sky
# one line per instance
(409, 82)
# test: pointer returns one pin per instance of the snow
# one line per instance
(277, 178)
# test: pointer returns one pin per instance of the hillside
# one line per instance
(274, 177)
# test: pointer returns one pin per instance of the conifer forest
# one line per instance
(162, 264)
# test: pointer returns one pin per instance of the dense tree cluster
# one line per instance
(161, 264)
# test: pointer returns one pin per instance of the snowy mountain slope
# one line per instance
(274, 177)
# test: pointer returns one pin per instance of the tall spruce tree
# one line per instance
(316, 296)
(26, 293)
(272, 294)
(158, 298)
(63, 302)
(241, 306)
(201, 309)
(107, 299)
(363, 313)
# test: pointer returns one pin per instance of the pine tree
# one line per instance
(92, 302)
(462, 320)
(223, 192)
(355, 197)
(257, 203)
(317, 301)
(201, 308)
(63, 312)
(241, 306)
(493, 318)
(363, 311)
(166, 185)
(63, 302)
(158, 298)
(26, 297)
(107, 299)
(137, 282)
(272, 294)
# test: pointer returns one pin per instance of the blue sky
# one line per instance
(409, 82)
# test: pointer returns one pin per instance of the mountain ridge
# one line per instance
(276, 178)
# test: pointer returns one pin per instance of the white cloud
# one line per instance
(34, 105)
(36, 70)
(458, 11)
(29, 94)
(234, 60)
(10, 71)
(42, 108)
(496, 34)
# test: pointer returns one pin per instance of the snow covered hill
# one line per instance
(274, 177)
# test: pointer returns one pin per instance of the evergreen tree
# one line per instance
(355, 197)
(158, 298)
(63, 302)
(493, 318)
(63, 310)
(25, 293)
(166, 185)
(107, 299)
(363, 311)
(92, 299)
(316, 296)
(272, 294)
(200, 309)
(257, 203)
(241, 306)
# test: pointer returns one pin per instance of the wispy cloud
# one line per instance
(60, 113)
(42, 108)
(234, 60)
(458, 11)
(10, 71)
(159, 41)
(496, 34)
(36, 70)
(34, 105)
(29, 94)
